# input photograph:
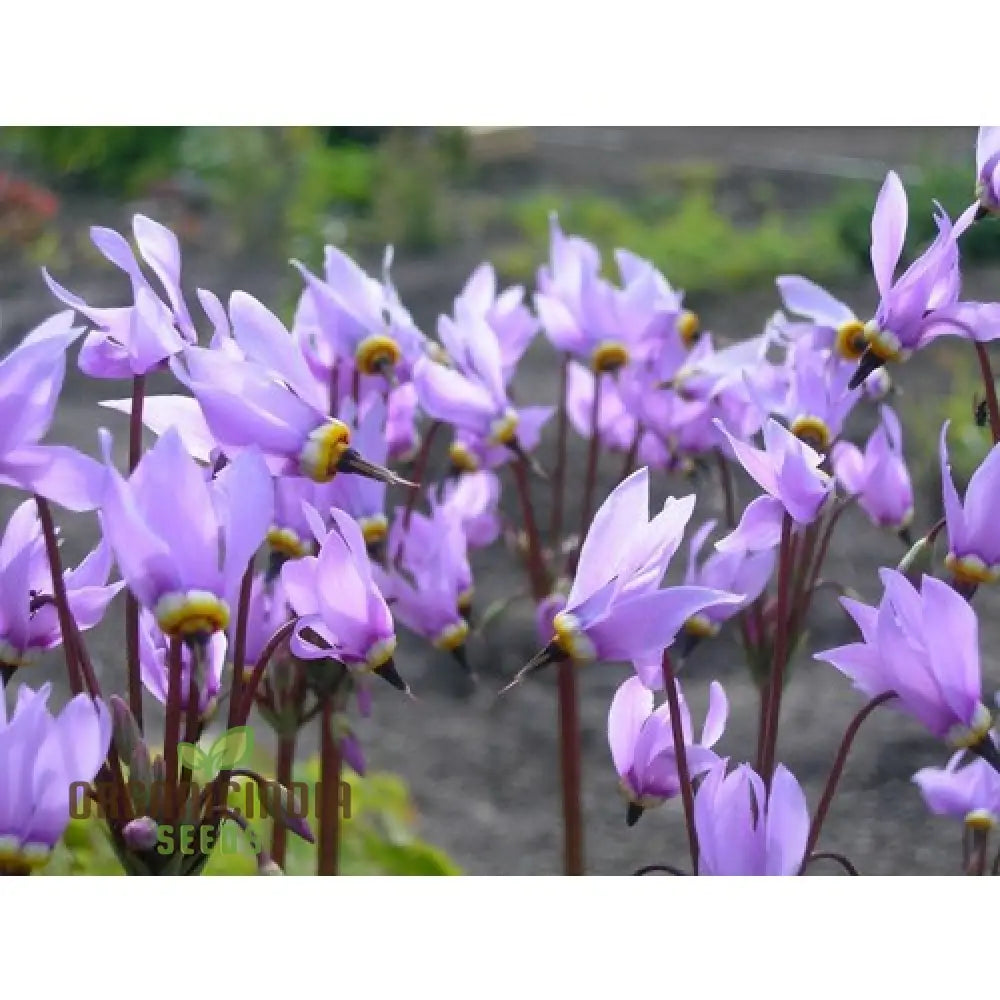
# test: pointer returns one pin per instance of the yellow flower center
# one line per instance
(963, 737)
(688, 326)
(701, 626)
(971, 569)
(571, 639)
(884, 344)
(980, 819)
(191, 613)
(813, 431)
(381, 653)
(608, 356)
(504, 428)
(287, 542)
(373, 528)
(21, 859)
(323, 450)
(851, 341)
(377, 353)
(10, 656)
(452, 636)
(645, 801)
(462, 458)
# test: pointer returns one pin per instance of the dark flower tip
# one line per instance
(870, 362)
(633, 813)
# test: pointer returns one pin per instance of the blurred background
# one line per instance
(720, 211)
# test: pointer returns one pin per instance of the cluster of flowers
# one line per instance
(282, 439)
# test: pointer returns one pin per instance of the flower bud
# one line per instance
(140, 834)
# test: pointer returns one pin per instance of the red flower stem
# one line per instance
(329, 803)
(570, 760)
(990, 388)
(131, 604)
(250, 686)
(284, 763)
(630, 456)
(559, 473)
(777, 672)
(680, 754)
(66, 625)
(590, 480)
(726, 479)
(537, 572)
(837, 770)
(240, 643)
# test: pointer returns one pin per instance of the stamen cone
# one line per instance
(870, 362)
(552, 653)
(987, 750)
(633, 813)
(389, 673)
(515, 446)
(352, 462)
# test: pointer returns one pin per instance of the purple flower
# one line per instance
(270, 399)
(401, 435)
(268, 611)
(615, 610)
(742, 830)
(472, 501)
(505, 313)
(360, 318)
(205, 662)
(733, 570)
(31, 377)
(132, 340)
(788, 470)
(159, 413)
(469, 451)
(970, 793)
(183, 541)
(642, 745)
(988, 167)
(878, 477)
(360, 497)
(290, 534)
(29, 627)
(41, 757)
(836, 328)
(973, 541)
(923, 302)
(337, 599)
(924, 646)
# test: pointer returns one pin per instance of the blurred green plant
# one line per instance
(698, 247)
(108, 160)
(850, 216)
(379, 838)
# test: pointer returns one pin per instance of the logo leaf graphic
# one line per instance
(232, 746)
(191, 755)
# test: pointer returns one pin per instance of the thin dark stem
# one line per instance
(59, 593)
(726, 479)
(258, 671)
(570, 760)
(172, 725)
(590, 479)
(419, 471)
(240, 642)
(830, 789)
(649, 869)
(538, 574)
(840, 859)
(284, 763)
(633, 452)
(990, 388)
(131, 604)
(680, 754)
(329, 804)
(559, 474)
(777, 672)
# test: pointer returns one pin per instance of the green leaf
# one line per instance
(232, 747)
(191, 755)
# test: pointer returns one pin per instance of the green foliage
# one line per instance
(952, 186)
(108, 160)
(378, 838)
(698, 247)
